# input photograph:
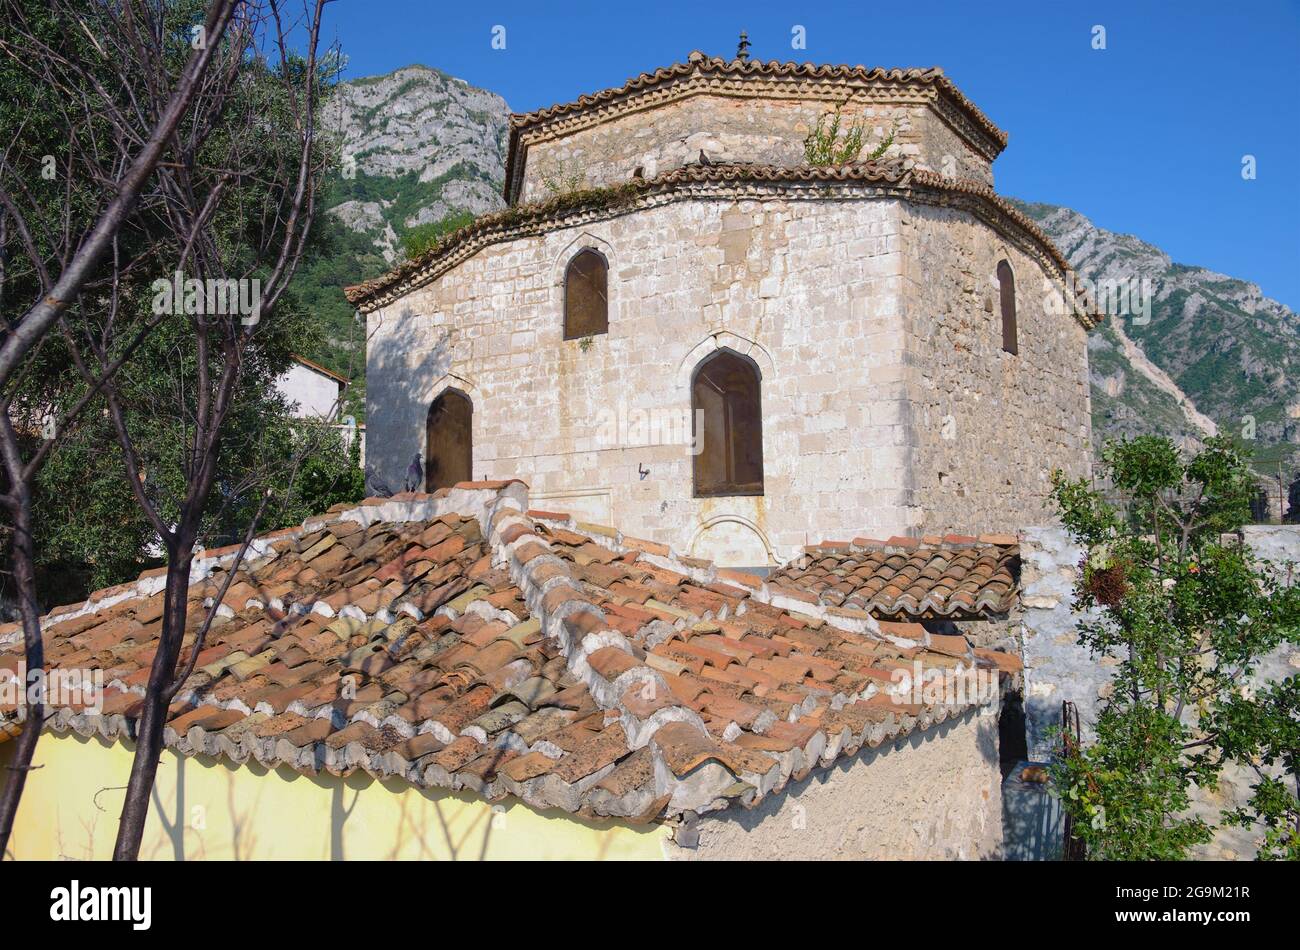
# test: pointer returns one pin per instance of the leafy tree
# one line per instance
(336, 258)
(88, 530)
(60, 262)
(203, 441)
(1188, 612)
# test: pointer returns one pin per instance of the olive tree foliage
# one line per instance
(54, 242)
(1187, 612)
(182, 323)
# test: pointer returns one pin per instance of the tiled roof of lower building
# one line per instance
(458, 641)
(954, 576)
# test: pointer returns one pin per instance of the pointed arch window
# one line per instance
(727, 419)
(586, 301)
(449, 447)
(1007, 295)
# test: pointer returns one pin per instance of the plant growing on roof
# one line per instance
(424, 237)
(1187, 612)
(824, 146)
(563, 178)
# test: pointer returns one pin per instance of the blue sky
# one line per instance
(1145, 137)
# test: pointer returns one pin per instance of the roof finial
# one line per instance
(742, 50)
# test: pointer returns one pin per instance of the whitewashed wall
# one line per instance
(932, 795)
(315, 394)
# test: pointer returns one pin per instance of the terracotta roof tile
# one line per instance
(472, 699)
(954, 577)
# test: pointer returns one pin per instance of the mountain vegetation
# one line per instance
(421, 153)
(1233, 353)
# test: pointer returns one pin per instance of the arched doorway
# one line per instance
(448, 445)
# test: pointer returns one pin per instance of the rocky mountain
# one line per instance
(418, 145)
(1231, 354)
(421, 151)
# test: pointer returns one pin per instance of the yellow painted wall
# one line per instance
(212, 809)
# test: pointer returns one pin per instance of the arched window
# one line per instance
(727, 421)
(1007, 291)
(449, 448)
(586, 304)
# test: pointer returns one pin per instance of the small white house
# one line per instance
(317, 393)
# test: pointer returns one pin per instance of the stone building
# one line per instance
(681, 326)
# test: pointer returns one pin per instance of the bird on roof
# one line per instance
(415, 475)
(704, 159)
(378, 487)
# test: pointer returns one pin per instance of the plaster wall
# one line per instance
(933, 795)
(208, 809)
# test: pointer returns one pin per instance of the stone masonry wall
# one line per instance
(867, 333)
(934, 795)
(808, 289)
(987, 427)
(758, 130)
(1057, 668)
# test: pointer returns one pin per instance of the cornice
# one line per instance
(724, 182)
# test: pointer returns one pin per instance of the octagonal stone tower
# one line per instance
(748, 113)
(682, 327)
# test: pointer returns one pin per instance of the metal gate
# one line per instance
(1072, 848)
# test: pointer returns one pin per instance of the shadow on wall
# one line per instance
(186, 829)
(926, 795)
(218, 809)
(173, 826)
(339, 814)
(436, 825)
(405, 357)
